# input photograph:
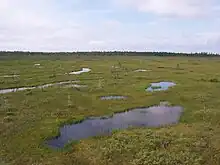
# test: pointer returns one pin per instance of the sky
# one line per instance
(109, 25)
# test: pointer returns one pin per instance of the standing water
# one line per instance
(154, 116)
(161, 86)
(10, 76)
(84, 70)
(113, 97)
(4, 91)
(140, 70)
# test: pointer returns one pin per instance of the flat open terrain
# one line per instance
(28, 118)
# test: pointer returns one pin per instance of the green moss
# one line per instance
(214, 80)
(10, 113)
(155, 87)
(7, 119)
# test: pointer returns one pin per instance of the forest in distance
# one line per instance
(107, 53)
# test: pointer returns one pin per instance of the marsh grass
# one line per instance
(30, 117)
(28, 92)
(7, 119)
(155, 87)
(214, 80)
(10, 113)
(52, 76)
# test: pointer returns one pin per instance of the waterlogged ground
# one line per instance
(29, 118)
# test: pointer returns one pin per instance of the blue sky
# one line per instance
(85, 25)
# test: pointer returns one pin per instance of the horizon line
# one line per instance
(105, 51)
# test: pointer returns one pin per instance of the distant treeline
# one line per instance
(102, 53)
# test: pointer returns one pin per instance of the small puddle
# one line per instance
(141, 70)
(4, 91)
(154, 116)
(161, 86)
(113, 97)
(84, 70)
(10, 76)
(115, 67)
(75, 86)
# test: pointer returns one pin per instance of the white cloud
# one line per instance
(42, 26)
(96, 42)
(34, 25)
(183, 8)
(23, 13)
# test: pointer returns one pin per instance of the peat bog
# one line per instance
(184, 130)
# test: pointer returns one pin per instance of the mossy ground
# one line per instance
(28, 118)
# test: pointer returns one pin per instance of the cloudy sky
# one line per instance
(140, 25)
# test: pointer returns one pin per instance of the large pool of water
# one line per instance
(154, 116)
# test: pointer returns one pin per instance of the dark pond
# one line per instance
(154, 116)
(113, 97)
(160, 86)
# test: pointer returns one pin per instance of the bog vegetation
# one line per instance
(30, 117)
